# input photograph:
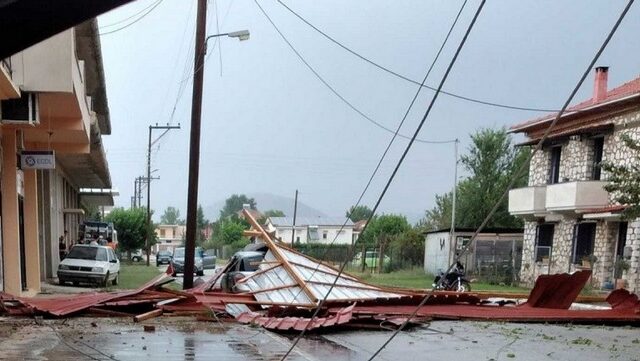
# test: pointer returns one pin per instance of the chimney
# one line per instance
(600, 84)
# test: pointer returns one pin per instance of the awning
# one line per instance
(73, 211)
(27, 22)
(98, 197)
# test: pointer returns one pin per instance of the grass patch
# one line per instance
(133, 276)
(416, 278)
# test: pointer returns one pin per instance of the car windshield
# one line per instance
(164, 253)
(178, 253)
(89, 253)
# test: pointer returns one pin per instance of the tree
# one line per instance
(383, 227)
(234, 204)
(273, 213)
(624, 180)
(171, 216)
(201, 225)
(358, 213)
(491, 162)
(131, 225)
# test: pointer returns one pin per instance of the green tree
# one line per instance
(358, 213)
(201, 225)
(491, 163)
(624, 180)
(273, 213)
(171, 215)
(131, 225)
(383, 227)
(234, 204)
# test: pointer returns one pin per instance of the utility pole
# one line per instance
(147, 241)
(293, 226)
(453, 196)
(194, 144)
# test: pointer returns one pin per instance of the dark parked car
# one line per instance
(202, 261)
(163, 257)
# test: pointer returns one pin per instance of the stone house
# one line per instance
(569, 216)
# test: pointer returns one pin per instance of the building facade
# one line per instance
(494, 250)
(170, 236)
(312, 230)
(571, 221)
(53, 168)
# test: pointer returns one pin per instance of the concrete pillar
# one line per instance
(32, 249)
(10, 231)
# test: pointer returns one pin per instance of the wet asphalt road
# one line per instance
(187, 339)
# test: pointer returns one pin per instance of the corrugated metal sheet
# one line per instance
(274, 283)
(340, 317)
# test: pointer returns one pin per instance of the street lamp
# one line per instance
(194, 138)
(241, 35)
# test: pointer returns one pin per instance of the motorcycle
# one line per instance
(453, 281)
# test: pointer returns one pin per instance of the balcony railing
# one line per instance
(527, 201)
(579, 195)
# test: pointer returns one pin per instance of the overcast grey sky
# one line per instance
(270, 126)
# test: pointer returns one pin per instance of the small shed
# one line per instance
(496, 250)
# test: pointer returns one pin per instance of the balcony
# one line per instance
(576, 196)
(527, 201)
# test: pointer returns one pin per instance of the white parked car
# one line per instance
(89, 264)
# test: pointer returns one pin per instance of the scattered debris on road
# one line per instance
(282, 293)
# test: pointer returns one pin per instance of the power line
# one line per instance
(518, 173)
(406, 114)
(129, 17)
(155, 5)
(337, 94)
(397, 167)
(398, 75)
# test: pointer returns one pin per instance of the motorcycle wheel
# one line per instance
(461, 286)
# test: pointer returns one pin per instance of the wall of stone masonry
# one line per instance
(576, 164)
(632, 276)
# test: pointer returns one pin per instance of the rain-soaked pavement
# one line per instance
(187, 339)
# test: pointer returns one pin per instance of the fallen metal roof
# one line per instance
(289, 277)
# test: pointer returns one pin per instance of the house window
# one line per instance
(622, 239)
(325, 234)
(554, 166)
(598, 148)
(584, 235)
(544, 241)
(313, 234)
(162, 233)
(297, 239)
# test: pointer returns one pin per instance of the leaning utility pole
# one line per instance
(147, 241)
(194, 144)
(293, 225)
(452, 229)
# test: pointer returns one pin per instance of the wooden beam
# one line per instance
(266, 237)
(148, 315)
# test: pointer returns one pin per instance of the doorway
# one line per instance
(583, 240)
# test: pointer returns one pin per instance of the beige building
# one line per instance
(53, 113)
(169, 237)
(571, 221)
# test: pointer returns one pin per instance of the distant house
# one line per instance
(169, 237)
(312, 229)
(358, 227)
(570, 219)
(499, 247)
(256, 214)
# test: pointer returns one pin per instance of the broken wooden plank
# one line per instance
(147, 315)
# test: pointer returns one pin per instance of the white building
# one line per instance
(312, 229)
(170, 236)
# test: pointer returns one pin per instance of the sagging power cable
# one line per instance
(405, 78)
(395, 171)
(384, 154)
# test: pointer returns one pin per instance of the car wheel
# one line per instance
(116, 279)
(76, 283)
(105, 281)
(61, 282)
(200, 273)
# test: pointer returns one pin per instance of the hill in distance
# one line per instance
(266, 201)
